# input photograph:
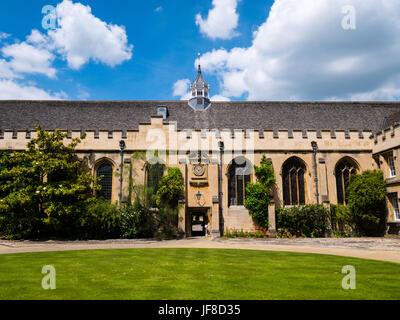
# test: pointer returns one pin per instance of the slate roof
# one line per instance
(392, 120)
(127, 115)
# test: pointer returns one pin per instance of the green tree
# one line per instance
(169, 191)
(44, 188)
(170, 188)
(258, 195)
(367, 201)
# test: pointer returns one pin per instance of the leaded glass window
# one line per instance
(293, 182)
(393, 197)
(239, 178)
(392, 168)
(105, 173)
(344, 169)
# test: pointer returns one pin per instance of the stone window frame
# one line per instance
(391, 166)
(349, 167)
(394, 202)
(245, 180)
(99, 164)
(295, 166)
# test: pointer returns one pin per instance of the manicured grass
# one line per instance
(194, 274)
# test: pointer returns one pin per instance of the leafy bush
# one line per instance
(100, 220)
(138, 220)
(258, 195)
(170, 188)
(303, 221)
(367, 201)
(342, 221)
(257, 202)
(169, 191)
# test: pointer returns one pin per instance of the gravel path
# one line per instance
(368, 248)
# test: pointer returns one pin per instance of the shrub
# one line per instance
(367, 200)
(169, 191)
(100, 220)
(167, 218)
(139, 220)
(258, 195)
(303, 221)
(170, 188)
(342, 221)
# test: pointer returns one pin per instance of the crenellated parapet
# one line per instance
(165, 135)
(387, 139)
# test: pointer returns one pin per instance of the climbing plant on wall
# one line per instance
(258, 194)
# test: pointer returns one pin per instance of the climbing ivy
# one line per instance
(258, 195)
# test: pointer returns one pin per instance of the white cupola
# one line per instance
(200, 93)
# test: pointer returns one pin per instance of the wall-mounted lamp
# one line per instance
(198, 196)
(122, 147)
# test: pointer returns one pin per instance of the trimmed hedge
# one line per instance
(304, 221)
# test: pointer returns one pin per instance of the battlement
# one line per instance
(159, 134)
(387, 139)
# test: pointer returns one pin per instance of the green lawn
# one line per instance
(194, 274)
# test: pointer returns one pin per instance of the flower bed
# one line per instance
(255, 233)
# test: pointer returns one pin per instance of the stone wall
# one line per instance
(277, 145)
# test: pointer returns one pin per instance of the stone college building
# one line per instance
(314, 148)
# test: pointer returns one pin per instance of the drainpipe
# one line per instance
(220, 193)
(122, 147)
(315, 148)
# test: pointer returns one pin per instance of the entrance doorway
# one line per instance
(198, 222)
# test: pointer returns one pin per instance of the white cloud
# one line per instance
(80, 37)
(219, 98)
(221, 21)
(181, 89)
(301, 52)
(36, 37)
(29, 57)
(26, 58)
(158, 9)
(5, 70)
(10, 90)
(3, 36)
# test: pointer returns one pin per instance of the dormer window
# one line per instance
(162, 111)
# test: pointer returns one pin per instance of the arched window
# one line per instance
(293, 182)
(105, 173)
(239, 177)
(154, 173)
(344, 169)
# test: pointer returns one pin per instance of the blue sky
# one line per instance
(301, 52)
(165, 42)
